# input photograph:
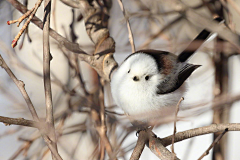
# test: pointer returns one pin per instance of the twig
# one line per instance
(24, 146)
(19, 121)
(175, 121)
(31, 13)
(130, 35)
(63, 41)
(213, 144)
(21, 87)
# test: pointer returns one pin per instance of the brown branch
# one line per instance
(158, 148)
(213, 128)
(142, 139)
(19, 121)
(130, 34)
(213, 144)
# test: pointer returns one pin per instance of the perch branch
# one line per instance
(213, 128)
(142, 139)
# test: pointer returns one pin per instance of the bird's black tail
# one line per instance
(184, 55)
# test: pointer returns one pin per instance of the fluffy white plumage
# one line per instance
(139, 97)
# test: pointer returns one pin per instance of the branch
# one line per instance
(158, 148)
(19, 121)
(21, 86)
(213, 128)
(46, 73)
(142, 139)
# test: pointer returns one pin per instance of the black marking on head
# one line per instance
(129, 71)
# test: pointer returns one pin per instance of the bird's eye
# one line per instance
(147, 78)
(129, 71)
(135, 78)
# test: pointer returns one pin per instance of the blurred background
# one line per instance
(154, 25)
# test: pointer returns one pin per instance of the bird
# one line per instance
(149, 80)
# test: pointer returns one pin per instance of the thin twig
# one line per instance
(19, 121)
(175, 121)
(31, 13)
(213, 144)
(21, 86)
(130, 34)
(60, 39)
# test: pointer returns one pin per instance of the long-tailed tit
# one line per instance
(149, 80)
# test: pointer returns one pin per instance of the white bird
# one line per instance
(150, 80)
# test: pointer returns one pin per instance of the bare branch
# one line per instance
(213, 128)
(21, 87)
(158, 148)
(19, 121)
